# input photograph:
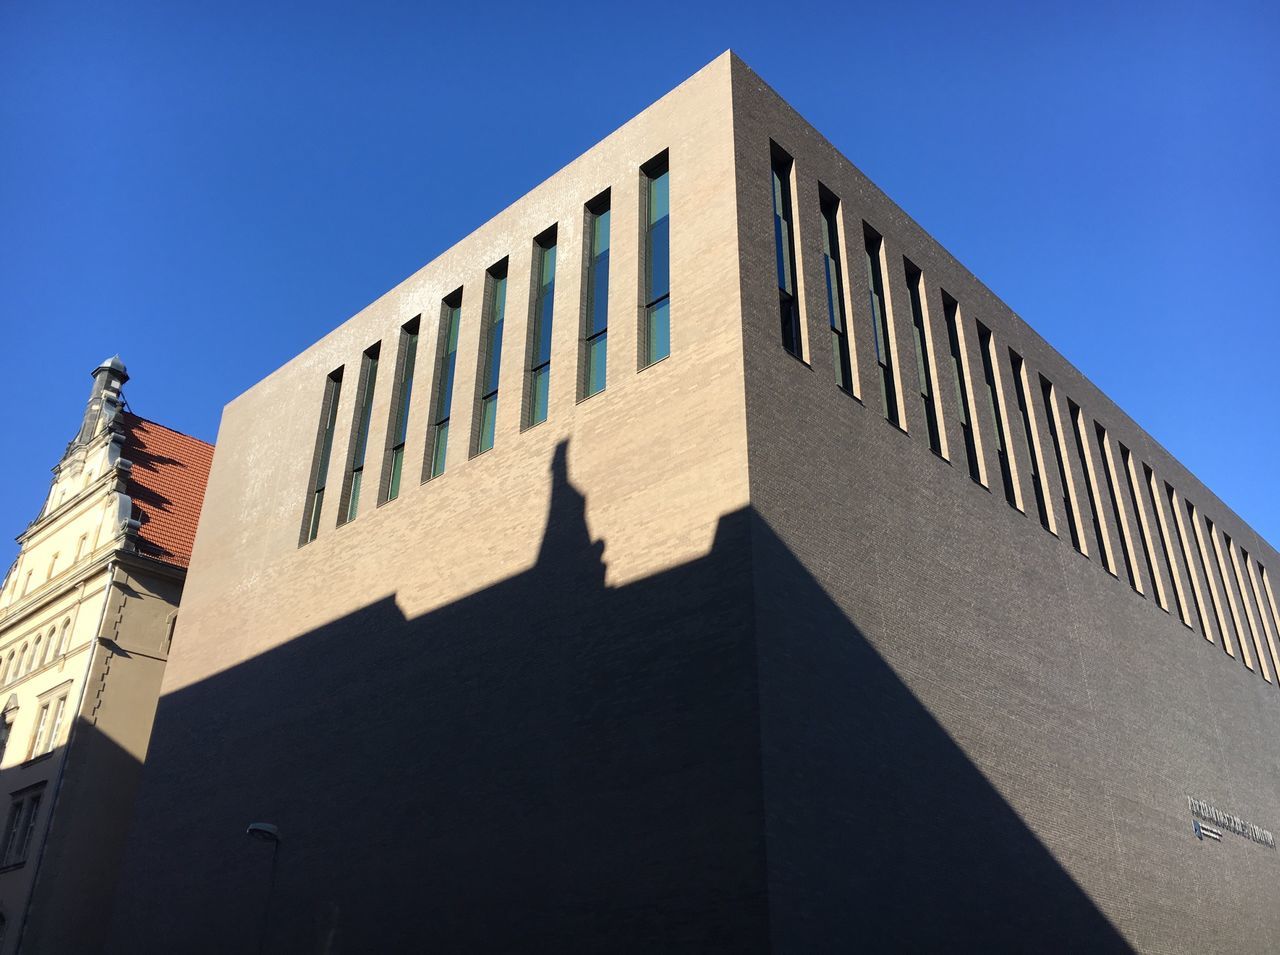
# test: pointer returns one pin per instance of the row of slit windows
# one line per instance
(593, 356)
(34, 653)
(1194, 568)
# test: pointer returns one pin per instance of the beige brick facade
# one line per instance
(666, 445)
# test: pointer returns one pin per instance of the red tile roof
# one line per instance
(170, 471)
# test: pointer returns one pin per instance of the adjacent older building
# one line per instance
(86, 616)
(696, 557)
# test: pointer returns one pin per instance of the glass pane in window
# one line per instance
(600, 235)
(446, 387)
(921, 371)
(542, 343)
(540, 370)
(315, 514)
(366, 409)
(834, 313)
(454, 315)
(659, 198)
(658, 257)
(548, 272)
(493, 364)
(596, 355)
(840, 357)
(499, 299)
(354, 504)
(790, 322)
(488, 418)
(406, 387)
(782, 236)
(397, 464)
(658, 344)
(599, 318)
(541, 381)
(33, 808)
(438, 451)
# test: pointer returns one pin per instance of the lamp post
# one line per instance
(266, 832)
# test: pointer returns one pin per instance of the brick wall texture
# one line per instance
(718, 659)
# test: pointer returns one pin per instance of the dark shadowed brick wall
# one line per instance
(974, 737)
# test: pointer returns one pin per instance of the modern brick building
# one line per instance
(696, 557)
(86, 615)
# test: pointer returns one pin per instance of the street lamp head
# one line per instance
(263, 831)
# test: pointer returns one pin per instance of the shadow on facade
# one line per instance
(73, 868)
(556, 765)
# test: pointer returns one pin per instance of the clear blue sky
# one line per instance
(209, 188)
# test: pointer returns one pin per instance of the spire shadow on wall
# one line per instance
(556, 764)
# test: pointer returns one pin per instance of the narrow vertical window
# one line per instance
(495, 309)
(924, 362)
(543, 294)
(655, 336)
(1269, 622)
(960, 377)
(1250, 615)
(401, 392)
(1060, 458)
(320, 459)
(1228, 592)
(1091, 491)
(986, 346)
(442, 397)
(1034, 451)
(785, 253)
(1206, 568)
(1117, 505)
(359, 435)
(1271, 598)
(1144, 527)
(873, 248)
(1184, 545)
(832, 258)
(1166, 545)
(33, 810)
(595, 316)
